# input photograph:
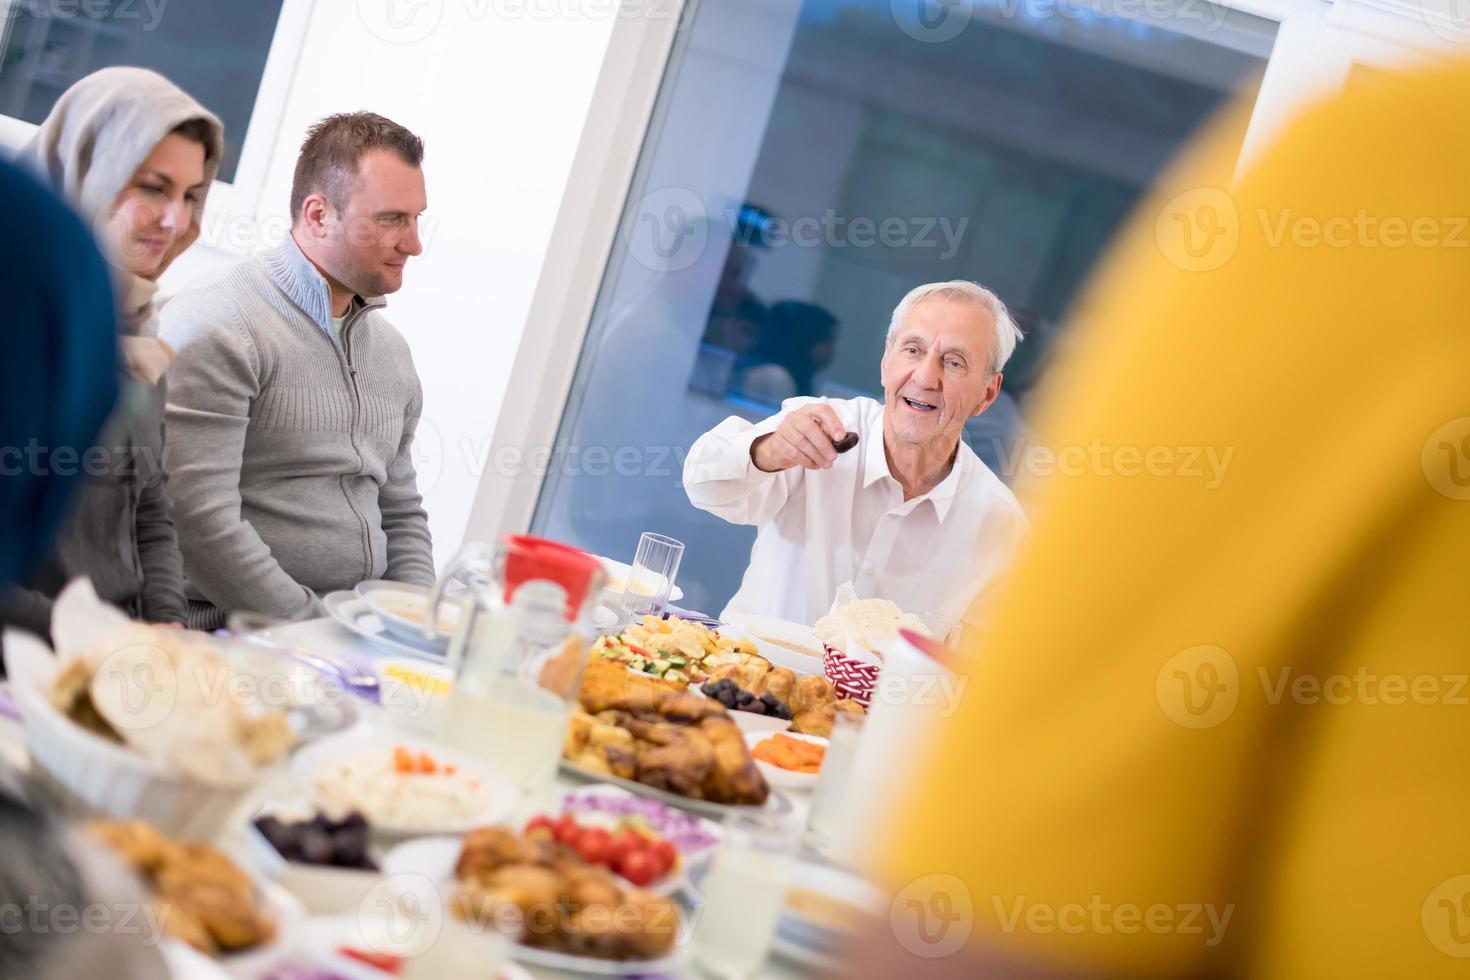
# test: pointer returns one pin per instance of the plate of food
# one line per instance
(669, 744)
(329, 864)
(827, 913)
(617, 584)
(851, 635)
(126, 719)
(351, 611)
(202, 898)
(778, 698)
(787, 759)
(781, 641)
(559, 911)
(676, 650)
(403, 787)
(403, 610)
(693, 837)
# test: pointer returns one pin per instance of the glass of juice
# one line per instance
(744, 893)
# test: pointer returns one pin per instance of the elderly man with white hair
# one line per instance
(911, 514)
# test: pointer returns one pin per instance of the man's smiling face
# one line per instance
(935, 373)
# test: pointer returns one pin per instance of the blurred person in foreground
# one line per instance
(58, 381)
(136, 156)
(910, 514)
(295, 401)
(1222, 732)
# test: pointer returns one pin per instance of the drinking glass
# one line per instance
(744, 893)
(651, 579)
(829, 798)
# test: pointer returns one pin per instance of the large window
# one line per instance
(214, 51)
(808, 164)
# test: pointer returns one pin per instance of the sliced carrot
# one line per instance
(427, 765)
(402, 759)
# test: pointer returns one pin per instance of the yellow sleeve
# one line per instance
(1237, 430)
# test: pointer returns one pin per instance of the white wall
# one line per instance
(499, 92)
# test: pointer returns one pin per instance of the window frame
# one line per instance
(241, 196)
(1318, 42)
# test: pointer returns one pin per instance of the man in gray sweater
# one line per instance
(293, 400)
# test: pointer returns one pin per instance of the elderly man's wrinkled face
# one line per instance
(934, 372)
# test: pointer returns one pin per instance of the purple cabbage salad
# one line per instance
(686, 832)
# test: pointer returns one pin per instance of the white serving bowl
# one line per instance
(504, 797)
(785, 778)
(409, 705)
(404, 611)
(323, 889)
(88, 775)
(781, 641)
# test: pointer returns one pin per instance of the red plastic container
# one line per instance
(528, 557)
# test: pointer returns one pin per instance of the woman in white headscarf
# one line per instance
(136, 156)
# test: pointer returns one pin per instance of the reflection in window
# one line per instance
(811, 162)
(214, 51)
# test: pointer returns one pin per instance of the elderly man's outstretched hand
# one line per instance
(804, 438)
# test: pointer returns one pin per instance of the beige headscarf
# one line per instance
(97, 135)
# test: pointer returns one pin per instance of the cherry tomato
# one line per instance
(594, 844)
(624, 842)
(667, 855)
(566, 830)
(639, 867)
(541, 820)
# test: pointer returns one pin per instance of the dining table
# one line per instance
(340, 649)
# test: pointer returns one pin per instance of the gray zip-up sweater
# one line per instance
(289, 449)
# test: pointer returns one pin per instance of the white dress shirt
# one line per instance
(820, 528)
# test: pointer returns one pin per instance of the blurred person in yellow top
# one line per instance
(1226, 730)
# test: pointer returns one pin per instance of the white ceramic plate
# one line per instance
(409, 707)
(390, 600)
(781, 641)
(433, 858)
(330, 933)
(785, 778)
(802, 939)
(617, 578)
(776, 803)
(504, 796)
(351, 611)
